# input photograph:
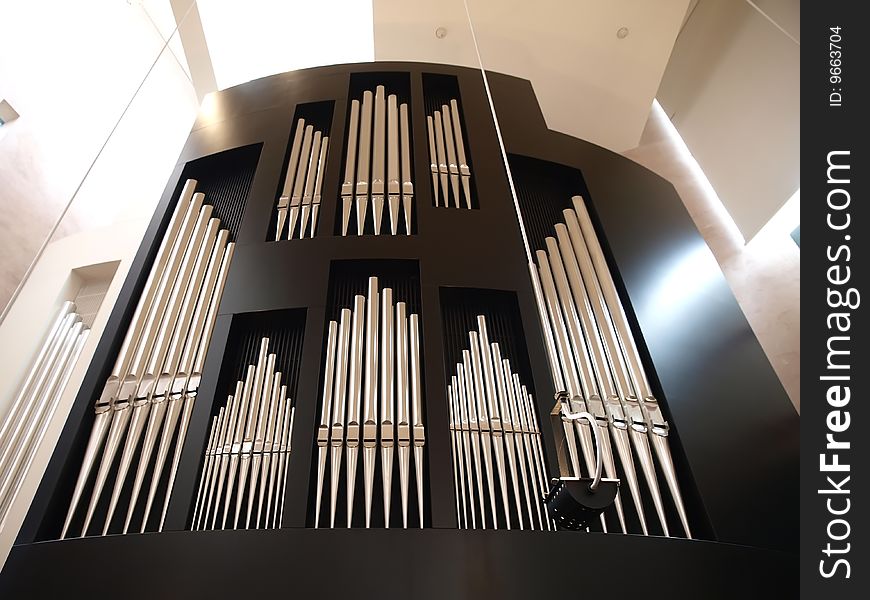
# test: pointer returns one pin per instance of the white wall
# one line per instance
(69, 69)
(732, 89)
(21, 334)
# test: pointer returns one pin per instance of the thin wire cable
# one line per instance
(498, 134)
(772, 22)
(66, 208)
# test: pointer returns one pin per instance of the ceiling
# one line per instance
(590, 83)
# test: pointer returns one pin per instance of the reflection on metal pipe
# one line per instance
(594, 357)
(377, 164)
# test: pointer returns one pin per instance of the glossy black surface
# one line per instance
(429, 564)
(734, 430)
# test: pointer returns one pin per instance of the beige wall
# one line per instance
(732, 90)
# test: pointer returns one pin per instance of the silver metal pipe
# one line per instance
(508, 429)
(263, 445)
(363, 167)
(393, 186)
(464, 170)
(287, 190)
(165, 266)
(378, 161)
(237, 439)
(254, 404)
(310, 183)
(16, 431)
(338, 414)
(495, 421)
(318, 184)
(221, 466)
(194, 354)
(581, 359)
(190, 238)
(564, 351)
(285, 458)
(267, 474)
(171, 298)
(370, 394)
(325, 416)
(547, 328)
(99, 431)
(597, 366)
(407, 174)
(38, 419)
(529, 455)
(433, 156)
(208, 459)
(576, 353)
(403, 430)
(658, 426)
(352, 435)
(299, 181)
(256, 453)
(456, 449)
(536, 430)
(208, 327)
(441, 156)
(418, 430)
(152, 389)
(347, 187)
(475, 372)
(174, 241)
(467, 432)
(25, 393)
(506, 383)
(452, 167)
(186, 381)
(166, 395)
(388, 357)
(275, 457)
(635, 424)
(202, 521)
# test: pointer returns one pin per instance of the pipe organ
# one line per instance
(313, 358)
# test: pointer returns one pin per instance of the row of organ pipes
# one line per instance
(249, 441)
(593, 356)
(492, 415)
(301, 193)
(378, 166)
(372, 397)
(447, 161)
(148, 398)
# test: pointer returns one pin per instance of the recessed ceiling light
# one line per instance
(622, 33)
(441, 33)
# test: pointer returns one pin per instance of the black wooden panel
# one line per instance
(430, 564)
